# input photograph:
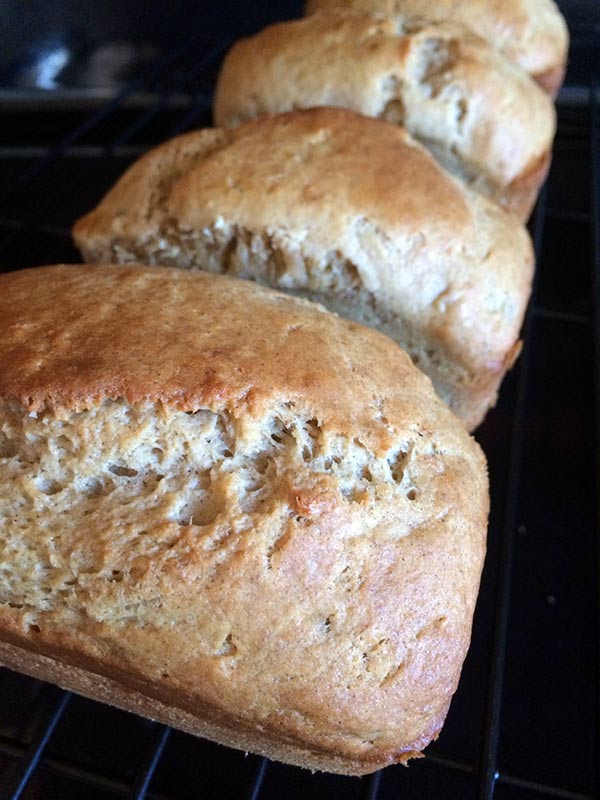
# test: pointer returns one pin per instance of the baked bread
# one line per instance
(530, 33)
(484, 119)
(345, 210)
(234, 512)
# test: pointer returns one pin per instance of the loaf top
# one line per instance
(450, 88)
(73, 336)
(238, 504)
(531, 33)
(331, 184)
(285, 167)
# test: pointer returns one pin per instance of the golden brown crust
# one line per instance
(113, 691)
(324, 621)
(552, 79)
(530, 33)
(524, 190)
(349, 211)
(481, 116)
(98, 343)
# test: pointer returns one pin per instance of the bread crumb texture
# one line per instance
(295, 564)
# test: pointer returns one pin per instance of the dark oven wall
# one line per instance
(97, 47)
(86, 87)
(101, 45)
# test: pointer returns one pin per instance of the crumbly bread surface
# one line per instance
(345, 210)
(232, 511)
(484, 119)
(530, 33)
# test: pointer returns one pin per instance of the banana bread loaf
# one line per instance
(345, 210)
(229, 510)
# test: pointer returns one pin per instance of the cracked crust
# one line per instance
(483, 118)
(345, 210)
(530, 33)
(229, 510)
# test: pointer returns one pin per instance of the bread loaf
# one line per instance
(484, 119)
(345, 210)
(234, 512)
(530, 33)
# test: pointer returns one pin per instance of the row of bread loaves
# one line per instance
(224, 507)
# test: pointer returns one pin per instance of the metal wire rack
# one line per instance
(524, 722)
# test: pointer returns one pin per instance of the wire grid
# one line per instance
(482, 777)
